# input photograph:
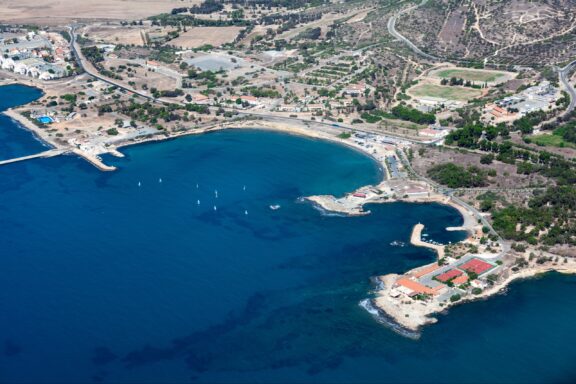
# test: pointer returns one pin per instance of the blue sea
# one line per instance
(175, 269)
(16, 141)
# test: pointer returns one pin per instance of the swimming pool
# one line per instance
(45, 119)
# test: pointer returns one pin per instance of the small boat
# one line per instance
(160, 180)
(139, 184)
(196, 185)
(246, 212)
(244, 188)
(215, 208)
(216, 194)
(198, 202)
(274, 207)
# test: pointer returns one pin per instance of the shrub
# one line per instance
(455, 297)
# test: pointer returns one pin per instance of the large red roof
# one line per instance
(449, 275)
(477, 266)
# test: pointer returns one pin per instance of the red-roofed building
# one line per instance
(449, 275)
(476, 266)
(462, 279)
(499, 112)
(418, 288)
(425, 270)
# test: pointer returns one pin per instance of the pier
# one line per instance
(49, 153)
(416, 239)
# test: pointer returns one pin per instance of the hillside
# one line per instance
(512, 31)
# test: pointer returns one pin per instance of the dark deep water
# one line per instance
(105, 281)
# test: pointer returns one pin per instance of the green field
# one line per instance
(470, 74)
(445, 92)
(551, 141)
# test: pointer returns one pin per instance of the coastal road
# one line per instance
(450, 193)
(564, 76)
(92, 71)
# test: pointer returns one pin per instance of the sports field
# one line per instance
(444, 92)
(473, 74)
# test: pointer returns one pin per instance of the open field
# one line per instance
(444, 92)
(63, 11)
(472, 74)
(551, 140)
(117, 34)
(198, 36)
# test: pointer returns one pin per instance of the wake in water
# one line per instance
(382, 317)
(386, 320)
(320, 209)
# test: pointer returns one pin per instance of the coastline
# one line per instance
(26, 124)
(406, 317)
(412, 317)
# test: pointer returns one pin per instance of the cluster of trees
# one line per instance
(454, 81)
(183, 20)
(207, 6)
(567, 131)
(456, 176)
(262, 92)
(169, 93)
(164, 54)
(470, 134)
(551, 211)
(311, 34)
(527, 123)
(410, 114)
(93, 54)
(152, 114)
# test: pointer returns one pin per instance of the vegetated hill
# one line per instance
(504, 31)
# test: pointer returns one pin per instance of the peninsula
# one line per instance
(478, 116)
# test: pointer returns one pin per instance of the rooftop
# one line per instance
(448, 275)
(476, 266)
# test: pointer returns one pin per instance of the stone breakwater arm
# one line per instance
(416, 240)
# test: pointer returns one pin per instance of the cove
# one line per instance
(16, 141)
(118, 277)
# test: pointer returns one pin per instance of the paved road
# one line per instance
(564, 75)
(90, 70)
(392, 30)
(450, 193)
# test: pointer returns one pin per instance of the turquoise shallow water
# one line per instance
(102, 280)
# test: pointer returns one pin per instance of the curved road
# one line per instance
(92, 71)
(564, 76)
(392, 30)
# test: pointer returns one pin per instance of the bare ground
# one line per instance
(52, 12)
